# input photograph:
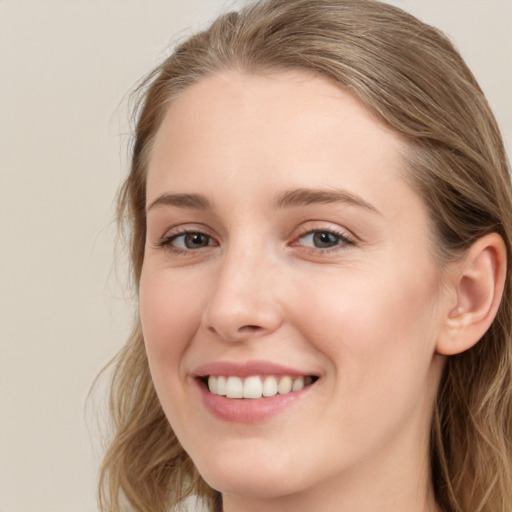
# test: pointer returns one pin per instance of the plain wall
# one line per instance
(65, 67)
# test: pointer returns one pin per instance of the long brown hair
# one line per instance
(411, 76)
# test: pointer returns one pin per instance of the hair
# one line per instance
(411, 76)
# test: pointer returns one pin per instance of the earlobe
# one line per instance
(478, 283)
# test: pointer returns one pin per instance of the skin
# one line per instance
(364, 315)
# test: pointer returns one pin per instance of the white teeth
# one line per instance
(298, 384)
(212, 384)
(234, 387)
(270, 386)
(285, 385)
(255, 387)
(221, 386)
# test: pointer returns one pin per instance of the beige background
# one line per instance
(65, 67)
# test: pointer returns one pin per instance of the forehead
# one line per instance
(282, 130)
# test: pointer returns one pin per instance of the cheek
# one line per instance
(170, 312)
(376, 327)
(378, 335)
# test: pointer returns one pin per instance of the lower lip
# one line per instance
(247, 410)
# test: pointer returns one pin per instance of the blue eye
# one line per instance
(324, 239)
(321, 239)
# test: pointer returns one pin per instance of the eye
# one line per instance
(192, 241)
(189, 240)
(323, 239)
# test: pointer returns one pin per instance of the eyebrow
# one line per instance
(307, 196)
(288, 199)
(192, 201)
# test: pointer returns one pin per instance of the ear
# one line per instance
(477, 283)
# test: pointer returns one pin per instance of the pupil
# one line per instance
(325, 239)
(195, 240)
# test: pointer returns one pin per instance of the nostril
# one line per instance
(244, 329)
(249, 328)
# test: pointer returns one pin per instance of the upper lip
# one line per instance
(246, 369)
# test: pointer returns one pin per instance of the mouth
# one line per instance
(251, 392)
(254, 387)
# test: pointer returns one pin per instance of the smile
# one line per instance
(256, 386)
(250, 391)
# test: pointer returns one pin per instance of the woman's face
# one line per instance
(285, 248)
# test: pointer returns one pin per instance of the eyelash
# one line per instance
(344, 240)
(166, 241)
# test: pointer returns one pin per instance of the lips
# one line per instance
(251, 391)
(246, 369)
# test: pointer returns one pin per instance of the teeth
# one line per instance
(298, 384)
(234, 388)
(221, 386)
(255, 386)
(270, 386)
(213, 384)
(285, 385)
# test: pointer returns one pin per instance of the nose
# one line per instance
(243, 304)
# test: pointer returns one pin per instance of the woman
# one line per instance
(319, 204)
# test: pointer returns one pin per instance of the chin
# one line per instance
(251, 485)
(249, 476)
